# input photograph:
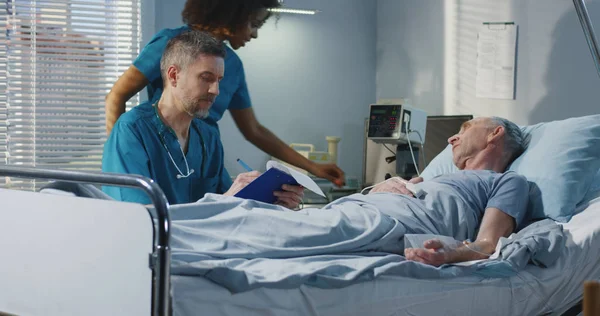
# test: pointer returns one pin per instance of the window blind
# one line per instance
(3, 90)
(59, 59)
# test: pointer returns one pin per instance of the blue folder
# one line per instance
(262, 188)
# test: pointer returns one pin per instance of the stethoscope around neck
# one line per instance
(189, 172)
(180, 173)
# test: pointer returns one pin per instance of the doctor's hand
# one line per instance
(328, 171)
(392, 185)
(241, 181)
(290, 196)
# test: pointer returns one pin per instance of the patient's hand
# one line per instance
(290, 196)
(416, 180)
(392, 185)
(433, 256)
(430, 255)
(241, 181)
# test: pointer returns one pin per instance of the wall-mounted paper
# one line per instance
(496, 51)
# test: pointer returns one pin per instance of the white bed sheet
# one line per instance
(533, 291)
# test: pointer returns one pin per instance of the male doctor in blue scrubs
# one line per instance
(168, 141)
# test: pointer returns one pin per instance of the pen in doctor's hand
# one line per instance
(243, 164)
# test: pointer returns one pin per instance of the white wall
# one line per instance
(556, 77)
(309, 77)
(168, 13)
(410, 53)
(148, 21)
(313, 76)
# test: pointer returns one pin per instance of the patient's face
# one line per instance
(470, 140)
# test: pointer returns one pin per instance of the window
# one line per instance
(58, 60)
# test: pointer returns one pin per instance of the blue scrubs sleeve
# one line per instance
(224, 177)
(241, 97)
(148, 61)
(225, 181)
(124, 153)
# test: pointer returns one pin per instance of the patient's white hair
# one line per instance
(514, 139)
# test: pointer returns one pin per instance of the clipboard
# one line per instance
(262, 188)
(496, 60)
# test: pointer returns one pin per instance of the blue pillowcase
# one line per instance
(592, 194)
(441, 164)
(561, 163)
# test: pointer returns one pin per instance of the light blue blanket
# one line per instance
(243, 244)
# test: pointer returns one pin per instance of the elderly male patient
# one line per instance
(168, 141)
(481, 202)
(496, 200)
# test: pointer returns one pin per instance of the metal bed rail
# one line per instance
(590, 37)
(588, 31)
(161, 254)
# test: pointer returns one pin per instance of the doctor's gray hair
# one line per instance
(514, 139)
(185, 48)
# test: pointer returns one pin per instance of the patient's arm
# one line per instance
(495, 224)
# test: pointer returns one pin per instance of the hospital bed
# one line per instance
(66, 255)
(533, 291)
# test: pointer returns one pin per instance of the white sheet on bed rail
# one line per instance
(64, 255)
(532, 291)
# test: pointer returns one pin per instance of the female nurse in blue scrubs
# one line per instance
(235, 21)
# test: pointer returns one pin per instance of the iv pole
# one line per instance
(588, 30)
(591, 288)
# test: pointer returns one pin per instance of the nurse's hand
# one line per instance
(328, 171)
(241, 181)
(290, 196)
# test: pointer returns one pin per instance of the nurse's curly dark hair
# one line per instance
(231, 15)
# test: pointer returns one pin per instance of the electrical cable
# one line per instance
(422, 148)
(413, 155)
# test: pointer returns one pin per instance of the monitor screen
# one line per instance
(439, 129)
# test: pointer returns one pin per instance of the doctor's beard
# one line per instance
(202, 114)
(190, 104)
